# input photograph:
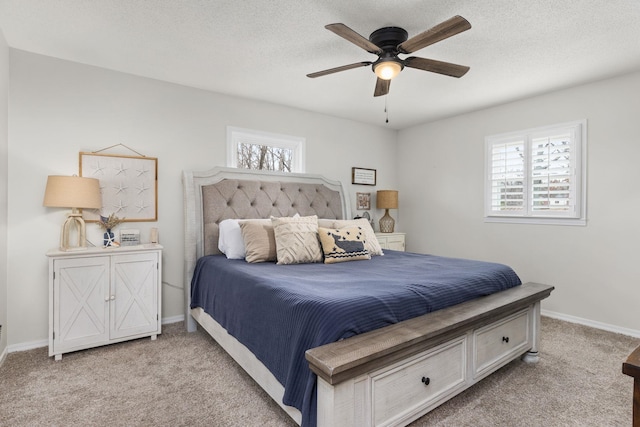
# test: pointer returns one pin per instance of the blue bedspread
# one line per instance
(280, 311)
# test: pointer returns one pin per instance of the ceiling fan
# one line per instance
(389, 42)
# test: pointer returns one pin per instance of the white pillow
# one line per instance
(230, 241)
(325, 223)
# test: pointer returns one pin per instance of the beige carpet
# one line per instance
(187, 379)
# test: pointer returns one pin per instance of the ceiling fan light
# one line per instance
(387, 70)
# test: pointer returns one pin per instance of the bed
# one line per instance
(387, 369)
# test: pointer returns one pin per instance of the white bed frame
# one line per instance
(389, 376)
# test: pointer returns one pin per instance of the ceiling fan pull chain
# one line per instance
(385, 108)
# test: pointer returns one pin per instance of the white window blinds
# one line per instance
(552, 173)
(507, 176)
(539, 173)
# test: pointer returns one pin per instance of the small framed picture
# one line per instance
(364, 201)
(363, 176)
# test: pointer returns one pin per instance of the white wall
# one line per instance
(4, 112)
(59, 108)
(594, 268)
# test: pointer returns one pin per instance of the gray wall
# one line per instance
(594, 268)
(4, 137)
(59, 108)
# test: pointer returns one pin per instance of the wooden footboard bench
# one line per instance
(393, 375)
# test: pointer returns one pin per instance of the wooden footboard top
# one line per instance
(346, 359)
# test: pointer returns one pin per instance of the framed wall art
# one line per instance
(364, 201)
(129, 185)
(363, 176)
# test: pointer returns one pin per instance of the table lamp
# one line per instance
(73, 192)
(387, 199)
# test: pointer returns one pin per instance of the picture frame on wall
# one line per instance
(129, 186)
(363, 201)
(363, 176)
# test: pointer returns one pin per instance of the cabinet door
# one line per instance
(382, 240)
(80, 295)
(392, 241)
(395, 243)
(134, 304)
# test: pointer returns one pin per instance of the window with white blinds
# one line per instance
(252, 149)
(537, 175)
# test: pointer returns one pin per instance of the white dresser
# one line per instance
(103, 296)
(394, 241)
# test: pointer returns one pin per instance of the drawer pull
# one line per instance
(426, 380)
(505, 339)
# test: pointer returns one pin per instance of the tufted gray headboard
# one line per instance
(222, 193)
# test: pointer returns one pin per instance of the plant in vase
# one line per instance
(107, 224)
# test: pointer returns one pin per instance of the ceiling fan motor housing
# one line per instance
(388, 39)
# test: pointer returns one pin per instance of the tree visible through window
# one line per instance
(250, 149)
(264, 157)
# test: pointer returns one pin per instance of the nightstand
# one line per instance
(102, 296)
(393, 241)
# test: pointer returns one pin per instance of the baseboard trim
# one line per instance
(44, 343)
(591, 323)
(180, 318)
(27, 346)
(173, 319)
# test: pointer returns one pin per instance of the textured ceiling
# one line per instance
(263, 49)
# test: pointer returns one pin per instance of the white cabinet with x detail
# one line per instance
(103, 296)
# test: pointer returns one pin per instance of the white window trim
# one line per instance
(580, 219)
(235, 135)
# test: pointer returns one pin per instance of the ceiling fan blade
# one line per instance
(446, 68)
(382, 87)
(355, 38)
(444, 30)
(338, 69)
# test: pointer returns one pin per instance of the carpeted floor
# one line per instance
(187, 379)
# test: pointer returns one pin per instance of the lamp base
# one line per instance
(73, 220)
(387, 223)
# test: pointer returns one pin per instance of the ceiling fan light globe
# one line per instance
(387, 70)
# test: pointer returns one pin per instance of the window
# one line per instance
(537, 175)
(251, 149)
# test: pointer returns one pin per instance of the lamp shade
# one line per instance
(72, 192)
(387, 199)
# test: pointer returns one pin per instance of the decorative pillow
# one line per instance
(259, 240)
(297, 239)
(230, 241)
(345, 244)
(326, 223)
(371, 241)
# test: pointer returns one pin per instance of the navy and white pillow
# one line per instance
(344, 244)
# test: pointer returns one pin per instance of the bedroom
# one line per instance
(55, 108)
